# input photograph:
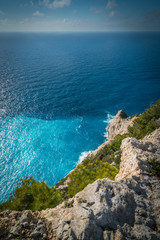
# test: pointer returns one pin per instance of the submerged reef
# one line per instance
(114, 194)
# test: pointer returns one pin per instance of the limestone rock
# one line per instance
(110, 209)
(15, 230)
(128, 208)
(24, 220)
(22, 225)
(119, 124)
(35, 234)
(136, 155)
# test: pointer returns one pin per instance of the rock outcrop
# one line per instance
(128, 208)
(119, 124)
(22, 225)
(136, 155)
(124, 209)
(109, 210)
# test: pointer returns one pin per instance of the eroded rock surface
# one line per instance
(16, 225)
(128, 208)
(136, 155)
(119, 124)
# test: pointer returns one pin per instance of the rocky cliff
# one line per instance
(127, 208)
(119, 124)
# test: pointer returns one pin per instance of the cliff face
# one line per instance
(136, 155)
(119, 125)
(127, 208)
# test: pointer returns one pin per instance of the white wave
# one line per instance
(83, 156)
(107, 121)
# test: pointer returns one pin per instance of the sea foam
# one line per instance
(83, 156)
(107, 121)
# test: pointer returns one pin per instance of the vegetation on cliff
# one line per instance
(154, 167)
(146, 123)
(111, 152)
(34, 195)
(87, 173)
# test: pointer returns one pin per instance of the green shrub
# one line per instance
(154, 167)
(107, 153)
(68, 204)
(33, 195)
(85, 174)
(80, 200)
(146, 122)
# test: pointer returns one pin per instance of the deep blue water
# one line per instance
(58, 92)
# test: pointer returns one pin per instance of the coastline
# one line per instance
(118, 207)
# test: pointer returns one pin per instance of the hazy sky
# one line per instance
(79, 15)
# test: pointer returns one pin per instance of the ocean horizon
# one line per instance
(58, 93)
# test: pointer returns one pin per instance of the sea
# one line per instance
(58, 93)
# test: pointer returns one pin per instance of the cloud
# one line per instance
(1, 12)
(28, 4)
(32, 3)
(4, 21)
(153, 15)
(24, 21)
(151, 20)
(111, 4)
(56, 3)
(38, 14)
(95, 10)
(112, 13)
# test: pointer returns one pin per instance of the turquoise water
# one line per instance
(58, 93)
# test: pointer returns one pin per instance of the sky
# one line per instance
(79, 15)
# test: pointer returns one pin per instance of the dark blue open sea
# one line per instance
(58, 93)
